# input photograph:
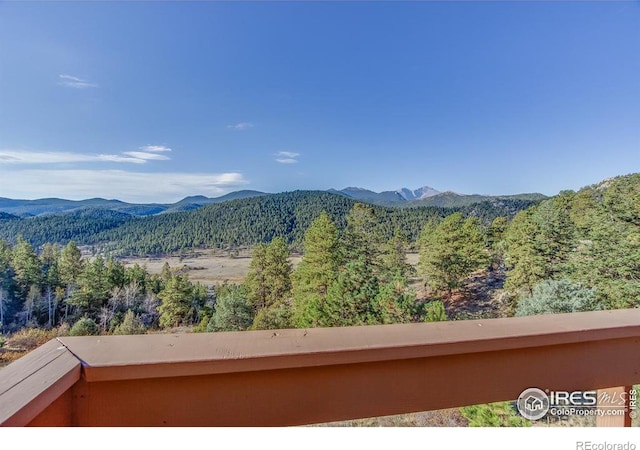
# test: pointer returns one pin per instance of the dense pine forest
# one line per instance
(242, 222)
(576, 251)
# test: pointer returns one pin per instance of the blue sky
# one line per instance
(153, 101)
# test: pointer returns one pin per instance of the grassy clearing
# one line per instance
(206, 267)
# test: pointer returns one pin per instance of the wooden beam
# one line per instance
(172, 355)
(31, 384)
(293, 377)
(613, 407)
(316, 394)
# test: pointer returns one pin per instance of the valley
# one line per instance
(213, 267)
(208, 267)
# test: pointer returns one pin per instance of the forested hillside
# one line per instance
(46, 206)
(574, 252)
(583, 245)
(7, 216)
(81, 226)
(242, 222)
(453, 200)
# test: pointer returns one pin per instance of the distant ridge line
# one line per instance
(403, 197)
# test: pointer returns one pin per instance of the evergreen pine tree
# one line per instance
(256, 280)
(71, 264)
(93, 288)
(394, 264)
(350, 299)
(273, 317)
(269, 277)
(233, 312)
(525, 263)
(317, 270)
(26, 268)
(85, 327)
(278, 271)
(450, 252)
(131, 324)
(176, 301)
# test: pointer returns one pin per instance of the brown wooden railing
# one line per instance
(293, 377)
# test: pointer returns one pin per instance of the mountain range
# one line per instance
(44, 206)
(404, 197)
(426, 196)
(227, 224)
(387, 198)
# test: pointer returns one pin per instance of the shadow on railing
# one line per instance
(306, 376)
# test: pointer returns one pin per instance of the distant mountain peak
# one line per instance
(388, 198)
(417, 194)
(358, 189)
(193, 198)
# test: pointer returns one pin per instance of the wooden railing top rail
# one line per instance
(30, 384)
(262, 378)
(163, 355)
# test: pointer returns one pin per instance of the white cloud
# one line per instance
(75, 82)
(147, 156)
(288, 154)
(242, 126)
(127, 186)
(155, 148)
(112, 158)
(287, 157)
(29, 157)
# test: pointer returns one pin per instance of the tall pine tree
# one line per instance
(317, 270)
(450, 252)
(176, 299)
(269, 277)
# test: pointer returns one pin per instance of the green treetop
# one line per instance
(269, 277)
(450, 252)
(317, 270)
(176, 299)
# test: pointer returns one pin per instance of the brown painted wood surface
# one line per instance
(617, 395)
(31, 384)
(293, 377)
(58, 414)
(316, 394)
(165, 355)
